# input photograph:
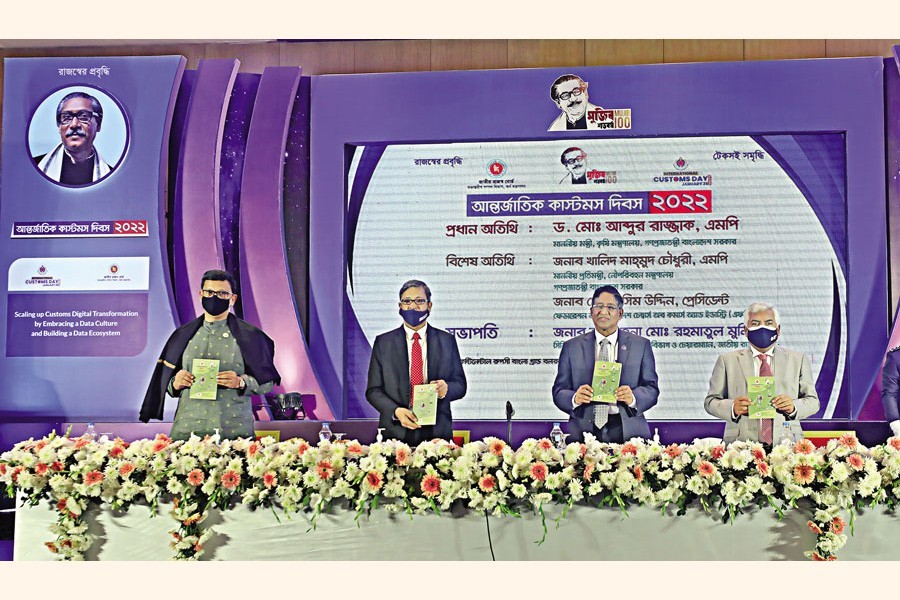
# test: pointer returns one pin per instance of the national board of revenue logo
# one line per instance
(114, 268)
(680, 164)
(496, 168)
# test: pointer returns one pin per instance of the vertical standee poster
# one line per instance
(87, 302)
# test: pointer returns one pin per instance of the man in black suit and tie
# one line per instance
(638, 390)
(412, 354)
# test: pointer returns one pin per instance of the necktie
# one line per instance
(601, 411)
(416, 376)
(765, 425)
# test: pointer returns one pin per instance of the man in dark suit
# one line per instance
(890, 389)
(411, 354)
(638, 388)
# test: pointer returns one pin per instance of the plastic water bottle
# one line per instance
(656, 435)
(787, 434)
(556, 435)
(379, 438)
(90, 432)
(325, 432)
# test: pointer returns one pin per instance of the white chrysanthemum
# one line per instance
(664, 474)
(697, 485)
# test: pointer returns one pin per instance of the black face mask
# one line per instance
(215, 306)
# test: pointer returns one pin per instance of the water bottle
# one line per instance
(656, 435)
(379, 438)
(787, 434)
(556, 435)
(90, 432)
(325, 432)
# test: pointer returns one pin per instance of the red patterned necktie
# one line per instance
(415, 366)
(765, 425)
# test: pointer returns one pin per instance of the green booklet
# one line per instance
(425, 403)
(204, 371)
(761, 391)
(606, 380)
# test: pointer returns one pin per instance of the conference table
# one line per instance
(585, 533)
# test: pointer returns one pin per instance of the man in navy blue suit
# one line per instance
(414, 353)
(638, 390)
(890, 389)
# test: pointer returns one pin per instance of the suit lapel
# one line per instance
(779, 367)
(587, 350)
(746, 360)
(622, 348)
(431, 352)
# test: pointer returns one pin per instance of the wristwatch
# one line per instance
(242, 384)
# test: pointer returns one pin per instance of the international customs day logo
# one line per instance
(570, 95)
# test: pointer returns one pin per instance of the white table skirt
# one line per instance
(585, 534)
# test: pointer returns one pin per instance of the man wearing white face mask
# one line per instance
(795, 392)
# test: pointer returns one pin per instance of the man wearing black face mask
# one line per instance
(412, 354)
(795, 391)
(246, 367)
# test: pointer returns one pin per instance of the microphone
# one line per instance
(509, 415)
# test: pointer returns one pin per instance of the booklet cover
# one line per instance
(606, 380)
(204, 371)
(425, 403)
(761, 391)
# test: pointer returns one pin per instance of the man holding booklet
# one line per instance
(214, 364)
(415, 373)
(760, 388)
(606, 378)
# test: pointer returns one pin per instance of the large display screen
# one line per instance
(513, 238)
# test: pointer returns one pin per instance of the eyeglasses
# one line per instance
(83, 116)
(222, 295)
(572, 161)
(609, 307)
(576, 92)
(418, 302)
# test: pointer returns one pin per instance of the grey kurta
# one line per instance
(231, 412)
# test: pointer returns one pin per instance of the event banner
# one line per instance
(87, 304)
(514, 237)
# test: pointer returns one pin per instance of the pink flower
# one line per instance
(804, 446)
(895, 443)
(61, 505)
(252, 449)
(93, 477)
(40, 445)
(192, 519)
(588, 471)
(125, 469)
(324, 469)
(629, 448)
(762, 467)
(15, 474)
(487, 483)
(81, 443)
(269, 479)
(41, 469)
(545, 444)
(496, 447)
(816, 556)
(56, 466)
(160, 445)
(638, 473)
(856, 461)
(116, 451)
(848, 440)
(718, 452)
(706, 468)
(402, 455)
(230, 480)
(582, 450)
(302, 447)
(538, 471)
(431, 485)
(814, 528)
(804, 474)
(354, 447)
(2, 468)
(673, 450)
(52, 547)
(758, 453)
(196, 477)
(837, 525)
(374, 480)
